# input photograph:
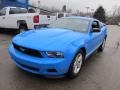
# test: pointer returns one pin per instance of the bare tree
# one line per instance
(69, 10)
(116, 14)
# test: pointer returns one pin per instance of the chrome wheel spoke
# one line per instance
(77, 63)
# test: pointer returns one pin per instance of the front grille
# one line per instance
(28, 51)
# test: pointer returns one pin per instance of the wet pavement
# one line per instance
(100, 72)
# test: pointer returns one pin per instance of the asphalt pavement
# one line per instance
(100, 72)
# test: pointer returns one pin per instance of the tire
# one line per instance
(22, 28)
(76, 65)
(0, 29)
(102, 46)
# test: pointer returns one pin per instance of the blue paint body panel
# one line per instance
(54, 39)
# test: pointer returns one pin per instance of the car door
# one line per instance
(94, 38)
(2, 17)
(96, 34)
(12, 16)
(103, 31)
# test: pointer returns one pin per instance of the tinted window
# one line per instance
(31, 11)
(74, 24)
(60, 15)
(3, 12)
(17, 11)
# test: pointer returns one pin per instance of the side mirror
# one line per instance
(95, 30)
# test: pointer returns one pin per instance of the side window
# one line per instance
(31, 11)
(95, 24)
(60, 15)
(17, 11)
(3, 12)
(23, 10)
(12, 11)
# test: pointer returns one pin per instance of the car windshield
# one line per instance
(74, 24)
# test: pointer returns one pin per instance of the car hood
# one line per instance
(48, 39)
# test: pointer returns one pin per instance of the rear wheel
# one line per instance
(76, 65)
(102, 46)
(22, 28)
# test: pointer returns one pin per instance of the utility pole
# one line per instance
(38, 10)
(92, 12)
(39, 3)
(87, 9)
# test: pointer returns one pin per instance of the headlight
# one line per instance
(55, 54)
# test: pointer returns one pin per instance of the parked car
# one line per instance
(20, 19)
(60, 48)
(15, 18)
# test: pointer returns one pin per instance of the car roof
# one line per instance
(14, 7)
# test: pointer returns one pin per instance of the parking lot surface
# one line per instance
(100, 72)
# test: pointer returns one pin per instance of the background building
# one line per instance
(17, 3)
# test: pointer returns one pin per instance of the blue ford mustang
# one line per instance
(60, 48)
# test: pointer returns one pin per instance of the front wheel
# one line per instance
(102, 46)
(76, 65)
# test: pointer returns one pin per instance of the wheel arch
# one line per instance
(21, 22)
(72, 62)
(76, 49)
(84, 50)
(106, 36)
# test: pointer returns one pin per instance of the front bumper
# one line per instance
(42, 66)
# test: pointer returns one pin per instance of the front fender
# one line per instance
(72, 50)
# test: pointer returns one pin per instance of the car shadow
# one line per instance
(8, 32)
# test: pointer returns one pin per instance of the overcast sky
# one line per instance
(80, 4)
